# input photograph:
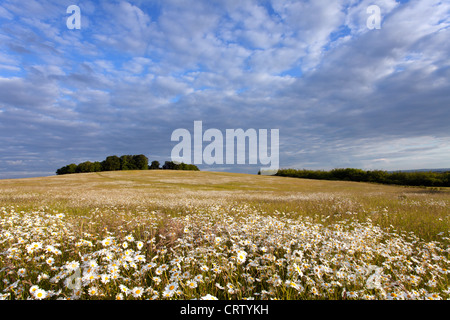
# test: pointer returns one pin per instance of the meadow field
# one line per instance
(162, 234)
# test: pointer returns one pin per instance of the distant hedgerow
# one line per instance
(416, 178)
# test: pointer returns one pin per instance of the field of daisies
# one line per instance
(213, 252)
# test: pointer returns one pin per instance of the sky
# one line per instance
(341, 92)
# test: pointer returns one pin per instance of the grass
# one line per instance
(235, 236)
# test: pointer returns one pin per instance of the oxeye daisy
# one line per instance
(191, 284)
(22, 272)
(33, 289)
(40, 294)
(231, 288)
(157, 280)
(209, 297)
(72, 265)
(137, 291)
(198, 278)
(105, 278)
(204, 268)
(119, 296)
(241, 256)
(140, 258)
(172, 287)
(50, 261)
(124, 289)
(93, 291)
(107, 242)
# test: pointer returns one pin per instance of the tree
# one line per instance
(84, 167)
(96, 166)
(111, 163)
(71, 168)
(169, 165)
(140, 162)
(155, 165)
(126, 163)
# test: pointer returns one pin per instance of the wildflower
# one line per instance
(34, 246)
(293, 284)
(22, 272)
(170, 289)
(107, 242)
(43, 276)
(139, 245)
(157, 280)
(172, 286)
(298, 269)
(374, 281)
(72, 265)
(204, 268)
(198, 278)
(40, 294)
(219, 286)
(50, 261)
(191, 284)
(124, 289)
(105, 278)
(33, 289)
(176, 275)
(49, 249)
(119, 296)
(209, 297)
(137, 291)
(231, 288)
(241, 256)
(431, 283)
(393, 296)
(433, 296)
(140, 258)
(93, 264)
(4, 296)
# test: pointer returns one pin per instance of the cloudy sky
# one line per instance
(341, 94)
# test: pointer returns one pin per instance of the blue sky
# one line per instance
(341, 94)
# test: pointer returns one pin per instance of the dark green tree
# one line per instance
(84, 167)
(169, 165)
(127, 163)
(140, 162)
(71, 168)
(155, 165)
(111, 163)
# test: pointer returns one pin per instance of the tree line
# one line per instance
(125, 162)
(415, 178)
